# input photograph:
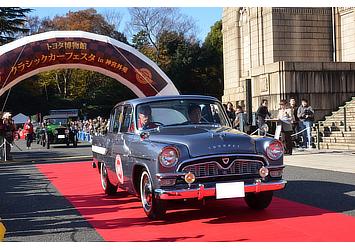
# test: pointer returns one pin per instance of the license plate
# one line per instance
(61, 136)
(230, 190)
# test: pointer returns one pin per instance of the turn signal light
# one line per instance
(190, 178)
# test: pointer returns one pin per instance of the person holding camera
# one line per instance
(305, 114)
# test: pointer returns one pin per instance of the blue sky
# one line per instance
(205, 17)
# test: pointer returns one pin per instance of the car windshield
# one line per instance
(180, 112)
(58, 121)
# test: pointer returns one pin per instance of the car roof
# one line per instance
(141, 100)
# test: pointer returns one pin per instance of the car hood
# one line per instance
(204, 140)
(54, 126)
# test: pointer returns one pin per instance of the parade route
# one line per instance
(64, 202)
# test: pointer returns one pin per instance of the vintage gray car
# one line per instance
(182, 148)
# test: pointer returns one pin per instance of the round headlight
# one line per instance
(169, 157)
(275, 150)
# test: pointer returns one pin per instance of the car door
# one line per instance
(120, 149)
(111, 142)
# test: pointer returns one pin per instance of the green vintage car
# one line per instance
(57, 130)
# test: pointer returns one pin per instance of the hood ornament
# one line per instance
(225, 161)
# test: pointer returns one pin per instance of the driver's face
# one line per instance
(195, 115)
(144, 118)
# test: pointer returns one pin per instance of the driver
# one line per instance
(194, 113)
(145, 118)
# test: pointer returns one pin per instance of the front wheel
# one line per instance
(107, 186)
(259, 201)
(154, 208)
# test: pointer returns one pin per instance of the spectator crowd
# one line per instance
(295, 121)
(96, 126)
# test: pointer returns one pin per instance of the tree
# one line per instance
(214, 39)
(33, 25)
(86, 20)
(179, 58)
(12, 23)
(155, 21)
(211, 63)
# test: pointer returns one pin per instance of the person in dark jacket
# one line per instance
(9, 129)
(230, 112)
(306, 115)
(262, 113)
(295, 123)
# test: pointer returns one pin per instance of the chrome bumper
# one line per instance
(200, 192)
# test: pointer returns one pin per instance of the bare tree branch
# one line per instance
(154, 21)
(113, 18)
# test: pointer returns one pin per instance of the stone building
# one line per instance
(300, 52)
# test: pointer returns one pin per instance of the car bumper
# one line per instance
(201, 191)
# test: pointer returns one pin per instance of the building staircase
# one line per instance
(337, 131)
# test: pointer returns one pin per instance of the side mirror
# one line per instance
(144, 135)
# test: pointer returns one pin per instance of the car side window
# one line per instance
(112, 115)
(127, 114)
(118, 118)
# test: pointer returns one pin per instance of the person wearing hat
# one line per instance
(9, 129)
(286, 118)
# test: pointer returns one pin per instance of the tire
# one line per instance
(154, 208)
(259, 201)
(107, 186)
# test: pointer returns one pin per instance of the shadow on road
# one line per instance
(332, 196)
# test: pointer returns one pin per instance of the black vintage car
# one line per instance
(57, 130)
(182, 148)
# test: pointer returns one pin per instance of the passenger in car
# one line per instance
(194, 113)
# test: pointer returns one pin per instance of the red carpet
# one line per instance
(121, 218)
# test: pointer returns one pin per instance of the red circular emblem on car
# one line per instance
(119, 170)
(144, 76)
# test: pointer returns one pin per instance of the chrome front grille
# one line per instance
(215, 169)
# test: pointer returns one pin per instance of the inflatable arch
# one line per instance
(31, 55)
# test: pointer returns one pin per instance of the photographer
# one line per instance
(306, 115)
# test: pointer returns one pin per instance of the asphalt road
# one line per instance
(56, 153)
(33, 210)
